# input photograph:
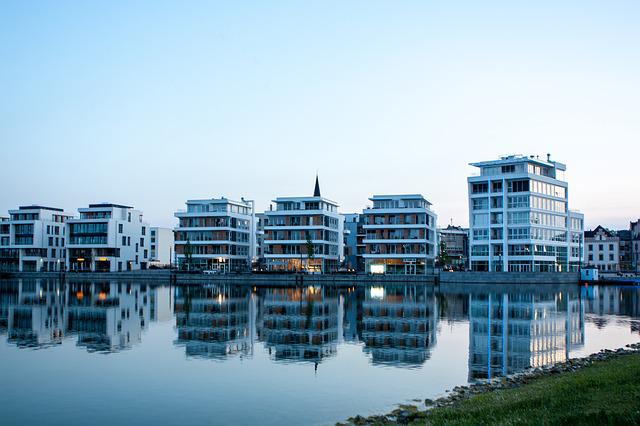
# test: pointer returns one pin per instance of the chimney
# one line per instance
(548, 158)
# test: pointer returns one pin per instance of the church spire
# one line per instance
(316, 191)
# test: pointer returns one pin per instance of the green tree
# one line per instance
(310, 252)
(443, 256)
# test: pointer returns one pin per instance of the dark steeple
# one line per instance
(316, 191)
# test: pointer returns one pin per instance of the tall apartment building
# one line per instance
(400, 235)
(107, 238)
(160, 246)
(33, 239)
(303, 233)
(602, 249)
(456, 244)
(215, 234)
(520, 219)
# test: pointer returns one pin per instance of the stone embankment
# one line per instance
(405, 414)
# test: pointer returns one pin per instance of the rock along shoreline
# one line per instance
(406, 413)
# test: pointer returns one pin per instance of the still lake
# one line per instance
(110, 352)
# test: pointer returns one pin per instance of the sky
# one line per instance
(151, 103)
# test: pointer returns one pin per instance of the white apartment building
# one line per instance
(519, 217)
(400, 235)
(215, 234)
(107, 238)
(160, 246)
(303, 233)
(602, 249)
(33, 239)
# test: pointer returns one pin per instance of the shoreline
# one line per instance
(408, 413)
(346, 280)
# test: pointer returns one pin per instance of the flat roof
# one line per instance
(217, 201)
(311, 198)
(36, 207)
(520, 159)
(105, 205)
(399, 197)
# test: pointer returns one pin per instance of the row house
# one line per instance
(603, 249)
(400, 235)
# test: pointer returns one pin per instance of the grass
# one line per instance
(607, 392)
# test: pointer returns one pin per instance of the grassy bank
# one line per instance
(605, 392)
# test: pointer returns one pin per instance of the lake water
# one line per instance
(110, 353)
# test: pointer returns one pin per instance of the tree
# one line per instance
(443, 256)
(310, 252)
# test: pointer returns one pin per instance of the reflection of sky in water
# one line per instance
(119, 353)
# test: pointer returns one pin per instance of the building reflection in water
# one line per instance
(33, 313)
(511, 332)
(215, 321)
(619, 304)
(399, 324)
(395, 325)
(300, 324)
(104, 316)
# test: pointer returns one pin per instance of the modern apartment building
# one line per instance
(107, 238)
(400, 235)
(215, 234)
(519, 217)
(455, 241)
(602, 249)
(33, 239)
(303, 233)
(160, 246)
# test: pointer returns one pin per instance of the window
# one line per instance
(141, 242)
(496, 186)
(129, 217)
(144, 230)
(496, 202)
(509, 169)
(610, 247)
(480, 204)
(518, 201)
(480, 219)
(518, 186)
(480, 234)
(124, 240)
(480, 250)
(601, 247)
(120, 228)
(479, 188)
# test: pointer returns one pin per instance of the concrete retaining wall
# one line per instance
(471, 278)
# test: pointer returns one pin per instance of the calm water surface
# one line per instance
(111, 352)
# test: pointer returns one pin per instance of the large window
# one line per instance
(480, 203)
(518, 185)
(479, 188)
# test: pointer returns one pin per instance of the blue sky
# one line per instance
(152, 103)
